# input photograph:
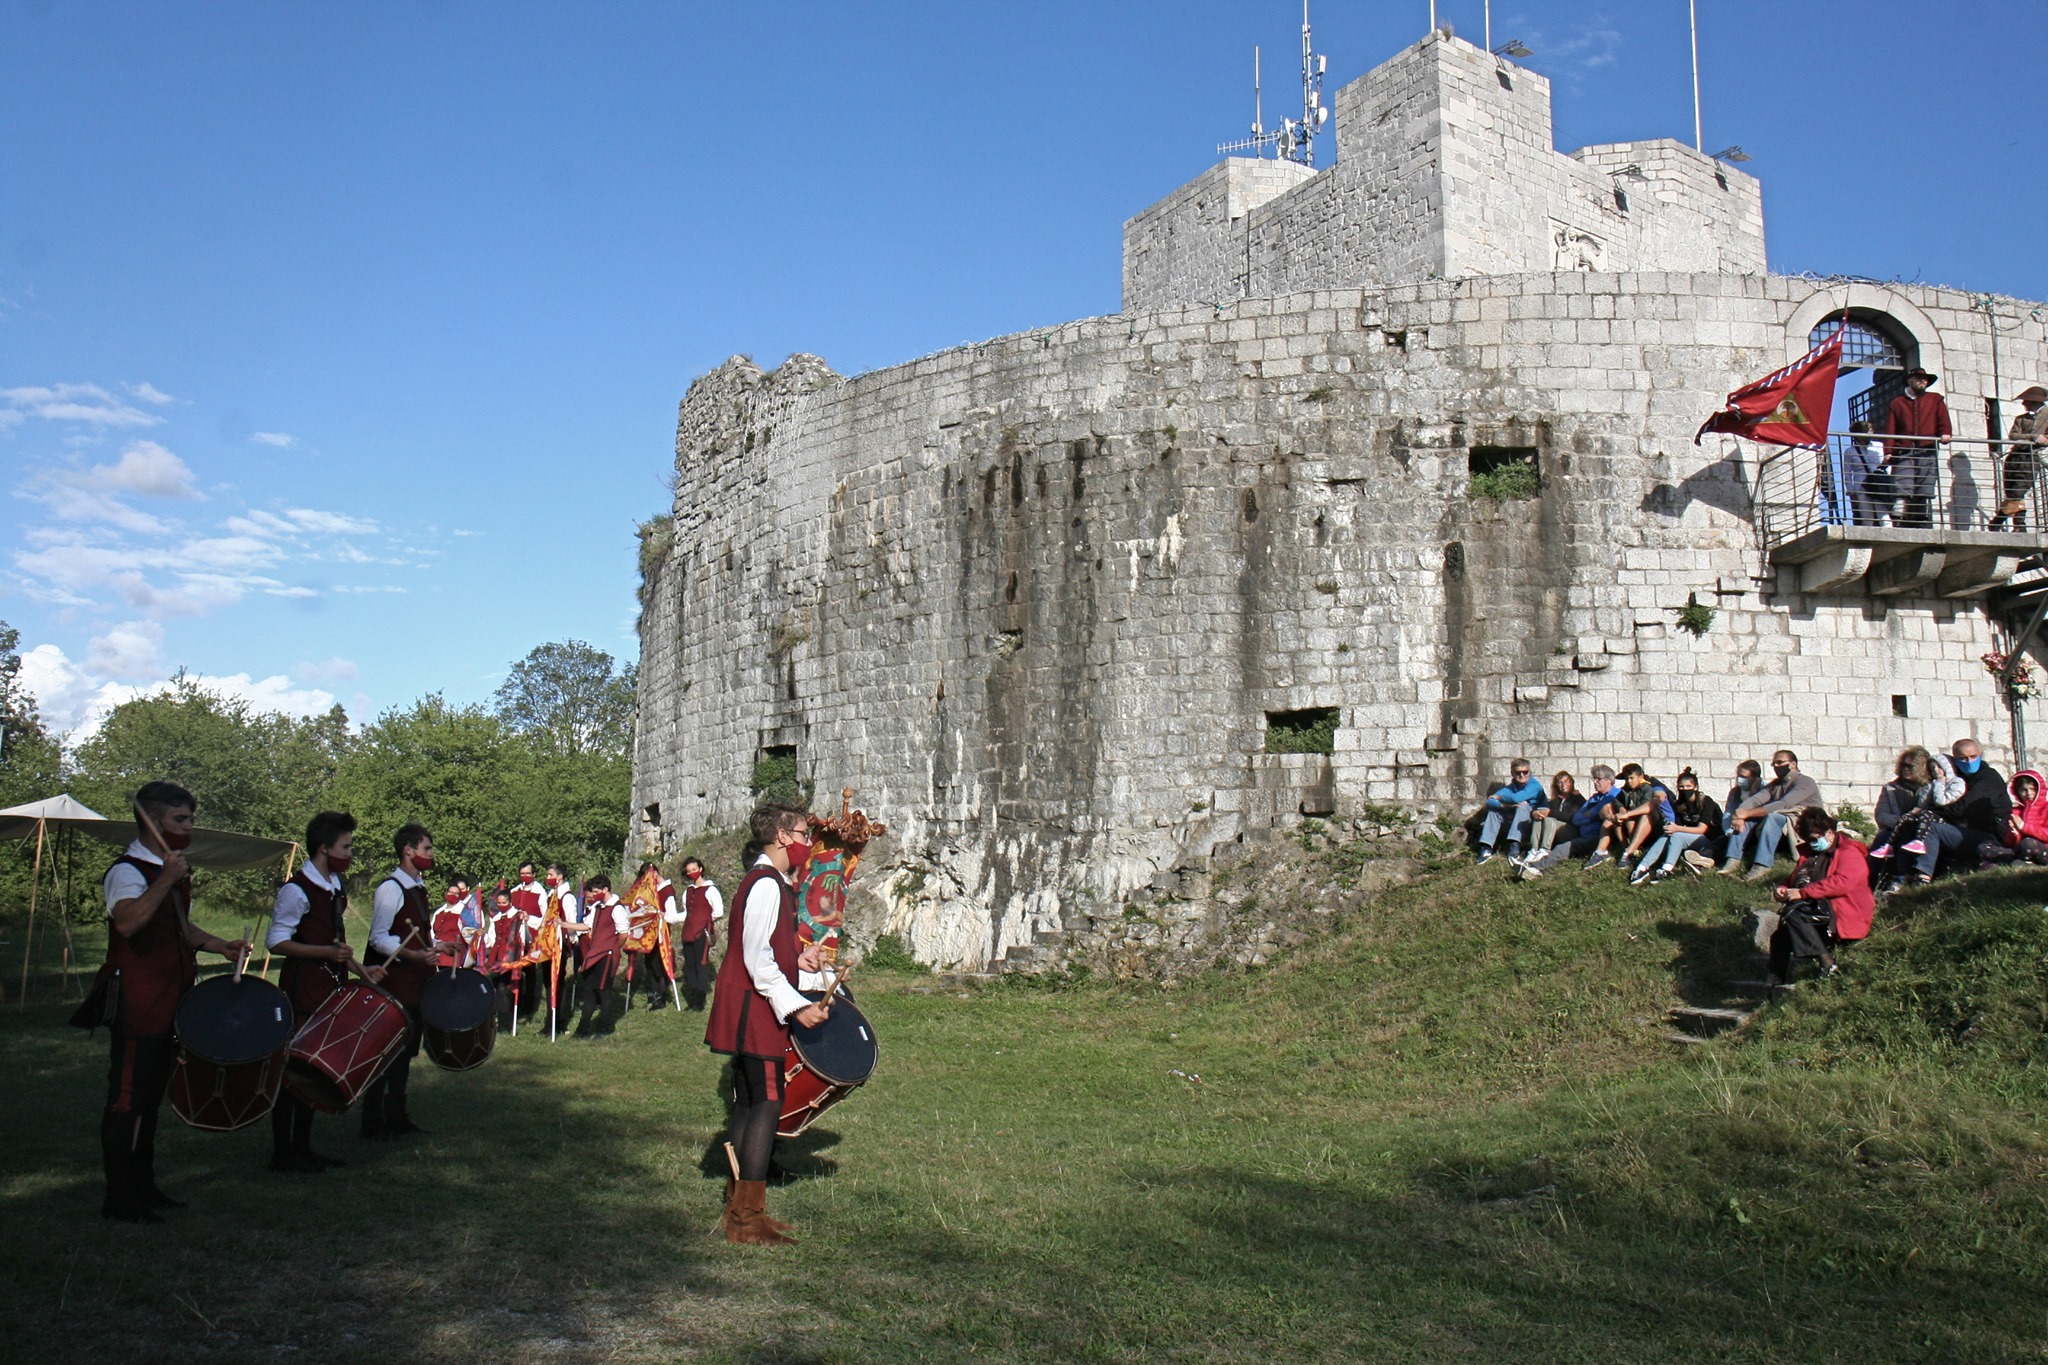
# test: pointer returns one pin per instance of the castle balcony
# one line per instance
(1955, 520)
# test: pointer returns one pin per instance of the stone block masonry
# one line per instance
(1036, 599)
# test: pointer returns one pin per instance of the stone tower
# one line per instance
(1045, 601)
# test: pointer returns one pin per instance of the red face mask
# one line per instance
(423, 861)
(177, 839)
(451, 898)
(799, 858)
(554, 881)
(337, 863)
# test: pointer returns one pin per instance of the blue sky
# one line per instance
(340, 344)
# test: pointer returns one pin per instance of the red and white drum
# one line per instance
(458, 1019)
(232, 1041)
(347, 1044)
(825, 1064)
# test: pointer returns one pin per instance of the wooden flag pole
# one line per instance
(29, 938)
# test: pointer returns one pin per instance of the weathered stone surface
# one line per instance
(1035, 598)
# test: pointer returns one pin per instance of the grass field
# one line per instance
(1450, 1131)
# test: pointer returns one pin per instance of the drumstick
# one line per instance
(242, 958)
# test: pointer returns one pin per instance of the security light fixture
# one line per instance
(1512, 48)
(1734, 154)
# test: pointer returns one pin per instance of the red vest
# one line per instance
(741, 1020)
(156, 965)
(696, 914)
(447, 928)
(310, 983)
(526, 899)
(403, 979)
(602, 942)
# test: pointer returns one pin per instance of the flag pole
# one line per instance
(1692, 11)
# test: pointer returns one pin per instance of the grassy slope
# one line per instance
(1450, 1131)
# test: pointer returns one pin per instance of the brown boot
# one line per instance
(746, 1217)
(775, 1223)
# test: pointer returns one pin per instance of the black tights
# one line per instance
(756, 1108)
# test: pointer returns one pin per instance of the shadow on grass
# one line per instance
(1711, 958)
(531, 1221)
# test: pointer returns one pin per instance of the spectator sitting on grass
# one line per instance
(1513, 806)
(1586, 829)
(2026, 831)
(1629, 820)
(1758, 824)
(1694, 817)
(1906, 812)
(1825, 901)
(1983, 814)
(1749, 780)
(1554, 817)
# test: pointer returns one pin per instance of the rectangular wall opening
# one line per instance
(1505, 472)
(1313, 731)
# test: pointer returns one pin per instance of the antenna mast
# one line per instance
(1294, 140)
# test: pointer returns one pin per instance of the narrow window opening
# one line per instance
(1311, 731)
(1505, 473)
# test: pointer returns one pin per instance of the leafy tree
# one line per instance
(570, 700)
(31, 767)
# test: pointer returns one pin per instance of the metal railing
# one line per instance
(1966, 483)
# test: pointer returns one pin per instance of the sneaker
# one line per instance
(1892, 887)
(1697, 863)
(1880, 853)
(1729, 868)
(1641, 875)
(1760, 872)
(1830, 971)
(1661, 873)
(1914, 847)
(1526, 870)
(1598, 858)
(1514, 853)
(1485, 857)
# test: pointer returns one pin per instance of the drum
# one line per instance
(232, 1041)
(458, 1019)
(825, 1064)
(347, 1044)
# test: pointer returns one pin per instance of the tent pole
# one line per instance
(29, 938)
(70, 838)
(291, 865)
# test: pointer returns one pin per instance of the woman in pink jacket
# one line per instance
(1827, 898)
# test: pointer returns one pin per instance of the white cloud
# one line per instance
(88, 403)
(146, 469)
(274, 438)
(74, 700)
(334, 670)
(133, 649)
(150, 393)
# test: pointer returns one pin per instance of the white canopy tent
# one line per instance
(57, 815)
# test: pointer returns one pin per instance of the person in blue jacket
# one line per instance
(1586, 828)
(1521, 800)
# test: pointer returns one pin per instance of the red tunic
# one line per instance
(156, 964)
(1926, 415)
(307, 982)
(527, 898)
(448, 929)
(741, 1021)
(696, 914)
(601, 945)
(403, 979)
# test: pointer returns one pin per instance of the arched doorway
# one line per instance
(1876, 354)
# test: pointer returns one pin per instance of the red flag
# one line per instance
(1789, 408)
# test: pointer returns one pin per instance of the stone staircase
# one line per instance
(1688, 1025)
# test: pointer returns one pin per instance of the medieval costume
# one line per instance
(398, 919)
(703, 907)
(311, 909)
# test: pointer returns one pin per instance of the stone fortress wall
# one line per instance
(1036, 599)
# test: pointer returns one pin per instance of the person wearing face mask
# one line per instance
(703, 907)
(1826, 901)
(447, 926)
(1587, 828)
(309, 930)
(1759, 822)
(752, 1007)
(402, 942)
(1694, 816)
(1907, 810)
(600, 930)
(150, 964)
(1981, 815)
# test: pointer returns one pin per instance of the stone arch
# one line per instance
(1876, 303)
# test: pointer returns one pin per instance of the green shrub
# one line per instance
(1302, 732)
(1508, 483)
(889, 955)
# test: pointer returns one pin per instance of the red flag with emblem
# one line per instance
(1788, 408)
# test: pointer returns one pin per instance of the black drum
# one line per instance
(825, 1064)
(458, 1018)
(233, 1038)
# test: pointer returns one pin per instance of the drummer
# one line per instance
(752, 1008)
(309, 930)
(150, 965)
(401, 936)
